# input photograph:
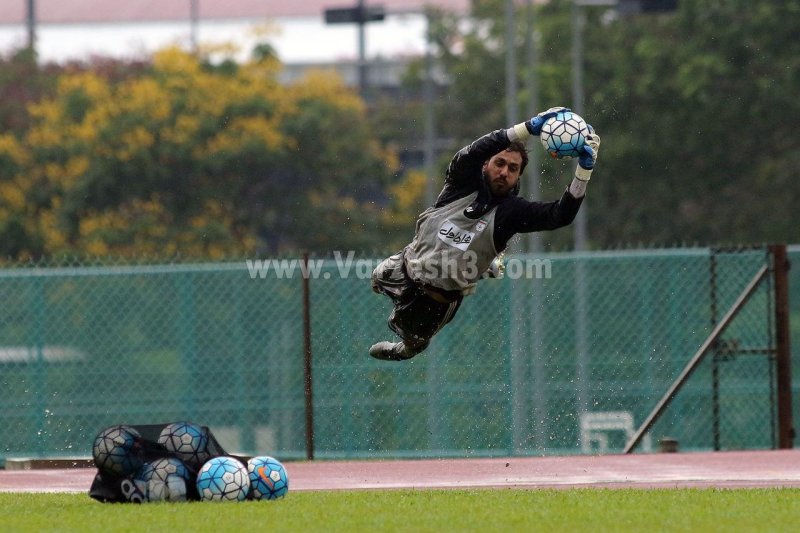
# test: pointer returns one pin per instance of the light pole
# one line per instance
(578, 23)
(581, 301)
(534, 170)
(429, 154)
(31, 23)
(512, 112)
(360, 14)
(194, 9)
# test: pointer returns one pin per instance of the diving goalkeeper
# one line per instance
(459, 239)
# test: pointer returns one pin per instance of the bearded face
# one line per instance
(502, 172)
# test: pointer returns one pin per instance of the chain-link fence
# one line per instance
(567, 354)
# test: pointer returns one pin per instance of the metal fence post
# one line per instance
(308, 385)
(40, 377)
(780, 269)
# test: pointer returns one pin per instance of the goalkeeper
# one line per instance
(459, 239)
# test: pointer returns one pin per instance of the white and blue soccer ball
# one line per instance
(117, 450)
(223, 478)
(164, 479)
(564, 135)
(189, 442)
(268, 478)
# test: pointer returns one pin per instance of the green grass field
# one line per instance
(482, 510)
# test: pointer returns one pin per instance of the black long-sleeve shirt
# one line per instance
(514, 214)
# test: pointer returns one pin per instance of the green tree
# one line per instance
(21, 81)
(702, 143)
(696, 109)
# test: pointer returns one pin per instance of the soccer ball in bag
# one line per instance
(187, 441)
(564, 135)
(268, 478)
(163, 480)
(117, 450)
(223, 479)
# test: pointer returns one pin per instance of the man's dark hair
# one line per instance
(519, 147)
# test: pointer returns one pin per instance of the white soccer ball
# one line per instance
(223, 479)
(564, 135)
(163, 480)
(189, 442)
(268, 478)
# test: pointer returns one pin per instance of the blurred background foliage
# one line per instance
(185, 156)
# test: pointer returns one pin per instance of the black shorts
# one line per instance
(416, 316)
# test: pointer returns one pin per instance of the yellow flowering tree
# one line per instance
(188, 158)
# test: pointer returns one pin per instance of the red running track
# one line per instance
(773, 468)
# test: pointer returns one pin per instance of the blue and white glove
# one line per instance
(588, 157)
(535, 124)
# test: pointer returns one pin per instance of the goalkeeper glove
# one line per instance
(497, 268)
(588, 156)
(535, 124)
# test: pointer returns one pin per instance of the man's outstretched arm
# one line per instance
(464, 171)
